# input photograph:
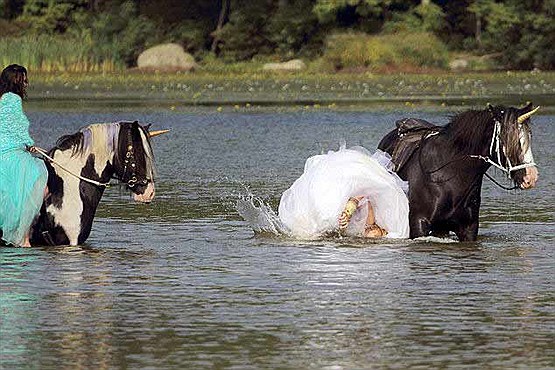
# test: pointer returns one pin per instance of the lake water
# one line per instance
(185, 283)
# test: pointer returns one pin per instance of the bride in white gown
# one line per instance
(348, 191)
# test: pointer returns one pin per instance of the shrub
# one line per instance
(359, 50)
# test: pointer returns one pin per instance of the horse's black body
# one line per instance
(100, 153)
(444, 170)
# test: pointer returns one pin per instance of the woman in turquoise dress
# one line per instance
(22, 176)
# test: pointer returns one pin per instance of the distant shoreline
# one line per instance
(177, 91)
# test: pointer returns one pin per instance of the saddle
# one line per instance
(410, 134)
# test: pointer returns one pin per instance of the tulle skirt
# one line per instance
(310, 208)
(22, 183)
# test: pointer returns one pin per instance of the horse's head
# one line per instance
(511, 145)
(133, 160)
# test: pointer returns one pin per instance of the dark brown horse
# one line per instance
(445, 165)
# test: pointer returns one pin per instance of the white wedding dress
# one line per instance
(311, 207)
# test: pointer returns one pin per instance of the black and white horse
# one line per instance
(83, 164)
(445, 165)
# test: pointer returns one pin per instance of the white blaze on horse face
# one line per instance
(69, 215)
(148, 156)
(149, 192)
(529, 180)
(525, 145)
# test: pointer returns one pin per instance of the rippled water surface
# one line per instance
(185, 283)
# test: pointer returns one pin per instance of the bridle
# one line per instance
(130, 166)
(496, 148)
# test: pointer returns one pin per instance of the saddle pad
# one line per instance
(410, 132)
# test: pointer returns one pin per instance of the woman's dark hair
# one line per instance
(14, 79)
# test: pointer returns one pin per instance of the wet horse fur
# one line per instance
(444, 178)
(96, 152)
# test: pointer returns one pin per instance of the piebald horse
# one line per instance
(82, 166)
(445, 165)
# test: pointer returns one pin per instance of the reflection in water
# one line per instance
(185, 283)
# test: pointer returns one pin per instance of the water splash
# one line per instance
(260, 216)
(435, 239)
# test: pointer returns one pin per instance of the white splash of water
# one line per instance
(435, 239)
(260, 216)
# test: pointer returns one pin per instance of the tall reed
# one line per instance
(55, 54)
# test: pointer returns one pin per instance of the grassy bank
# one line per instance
(241, 88)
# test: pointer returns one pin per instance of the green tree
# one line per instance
(292, 29)
(521, 32)
(49, 16)
(119, 31)
(10, 9)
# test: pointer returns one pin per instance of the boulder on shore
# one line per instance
(459, 64)
(292, 65)
(166, 57)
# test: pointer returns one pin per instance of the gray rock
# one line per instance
(292, 65)
(166, 57)
(458, 64)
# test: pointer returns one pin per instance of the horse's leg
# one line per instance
(467, 230)
(419, 226)
(468, 233)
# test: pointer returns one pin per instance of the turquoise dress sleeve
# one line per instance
(14, 125)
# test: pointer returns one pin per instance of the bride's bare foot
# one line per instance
(374, 231)
(26, 243)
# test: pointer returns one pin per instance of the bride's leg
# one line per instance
(348, 211)
(26, 242)
(371, 219)
(373, 230)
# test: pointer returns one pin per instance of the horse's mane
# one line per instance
(92, 138)
(467, 130)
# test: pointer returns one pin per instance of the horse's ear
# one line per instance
(490, 108)
(527, 107)
(135, 123)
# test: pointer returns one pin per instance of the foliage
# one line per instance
(394, 51)
(243, 36)
(522, 32)
(122, 33)
(425, 17)
(290, 29)
(191, 35)
(519, 33)
(328, 9)
(46, 16)
(54, 53)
